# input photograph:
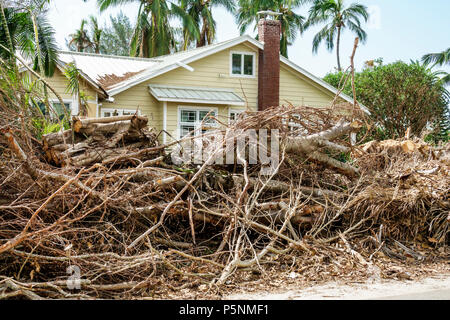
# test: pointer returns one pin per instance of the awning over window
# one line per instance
(196, 95)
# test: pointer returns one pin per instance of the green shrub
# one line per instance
(401, 96)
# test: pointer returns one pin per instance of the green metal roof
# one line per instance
(196, 95)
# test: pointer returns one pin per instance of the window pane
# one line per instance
(107, 114)
(236, 64)
(60, 110)
(234, 114)
(43, 108)
(248, 65)
(186, 129)
(203, 114)
(126, 113)
(188, 116)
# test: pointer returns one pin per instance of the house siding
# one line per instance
(297, 90)
(59, 83)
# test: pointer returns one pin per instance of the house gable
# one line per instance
(59, 83)
(214, 71)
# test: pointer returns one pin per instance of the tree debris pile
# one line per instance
(96, 140)
(130, 222)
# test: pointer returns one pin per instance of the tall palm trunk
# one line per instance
(39, 58)
(5, 27)
(36, 40)
(337, 48)
(203, 34)
(144, 51)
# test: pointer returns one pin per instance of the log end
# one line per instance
(77, 124)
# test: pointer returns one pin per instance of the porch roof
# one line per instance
(201, 95)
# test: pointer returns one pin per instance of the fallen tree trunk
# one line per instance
(310, 146)
(57, 138)
(280, 187)
(100, 140)
(79, 124)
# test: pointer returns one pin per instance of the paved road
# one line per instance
(432, 288)
(427, 295)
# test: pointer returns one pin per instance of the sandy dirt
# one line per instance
(434, 287)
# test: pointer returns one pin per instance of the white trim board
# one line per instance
(227, 103)
(119, 111)
(164, 122)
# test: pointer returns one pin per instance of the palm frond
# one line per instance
(440, 58)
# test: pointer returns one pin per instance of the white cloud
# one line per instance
(374, 22)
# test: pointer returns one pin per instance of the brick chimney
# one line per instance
(269, 63)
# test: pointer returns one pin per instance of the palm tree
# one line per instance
(440, 59)
(73, 75)
(202, 22)
(291, 22)
(153, 35)
(28, 31)
(336, 18)
(96, 34)
(80, 39)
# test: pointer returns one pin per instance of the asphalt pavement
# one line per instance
(427, 295)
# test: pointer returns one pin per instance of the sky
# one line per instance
(397, 30)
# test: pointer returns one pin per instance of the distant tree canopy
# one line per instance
(401, 96)
(116, 37)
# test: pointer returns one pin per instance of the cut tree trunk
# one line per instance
(95, 140)
(78, 124)
(311, 145)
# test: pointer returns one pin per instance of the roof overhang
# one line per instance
(62, 66)
(199, 95)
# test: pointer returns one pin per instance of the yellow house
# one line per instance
(177, 91)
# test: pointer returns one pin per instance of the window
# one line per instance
(242, 64)
(234, 114)
(58, 108)
(118, 112)
(191, 119)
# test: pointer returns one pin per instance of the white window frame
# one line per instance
(120, 111)
(242, 53)
(69, 102)
(198, 122)
(236, 111)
